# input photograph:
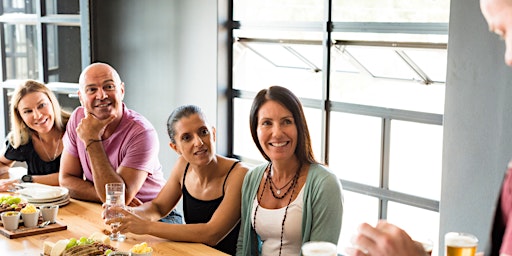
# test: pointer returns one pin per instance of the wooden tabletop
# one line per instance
(83, 219)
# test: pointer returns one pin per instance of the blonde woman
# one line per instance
(37, 126)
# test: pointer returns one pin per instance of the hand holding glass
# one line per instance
(115, 198)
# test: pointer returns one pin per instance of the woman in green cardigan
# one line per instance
(291, 199)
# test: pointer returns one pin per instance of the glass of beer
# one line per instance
(460, 244)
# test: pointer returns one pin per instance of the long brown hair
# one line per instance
(287, 99)
(20, 133)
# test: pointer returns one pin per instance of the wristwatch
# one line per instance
(27, 178)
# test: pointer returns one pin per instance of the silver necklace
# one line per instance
(46, 152)
(278, 190)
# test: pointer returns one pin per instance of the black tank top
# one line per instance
(200, 211)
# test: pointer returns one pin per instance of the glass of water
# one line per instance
(115, 197)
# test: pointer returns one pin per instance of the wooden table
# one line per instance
(83, 219)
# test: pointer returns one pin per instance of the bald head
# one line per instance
(95, 68)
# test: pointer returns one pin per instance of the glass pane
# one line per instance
(64, 55)
(278, 34)
(391, 11)
(388, 64)
(355, 147)
(62, 7)
(431, 61)
(308, 57)
(243, 143)
(21, 52)
(389, 37)
(357, 209)
(415, 159)
(361, 88)
(314, 120)
(254, 69)
(419, 223)
(19, 6)
(278, 10)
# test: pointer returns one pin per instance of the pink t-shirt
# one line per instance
(506, 212)
(134, 144)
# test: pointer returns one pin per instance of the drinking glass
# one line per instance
(319, 248)
(460, 244)
(115, 197)
(428, 245)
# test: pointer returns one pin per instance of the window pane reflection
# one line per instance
(391, 11)
(64, 55)
(278, 10)
(62, 7)
(19, 6)
(363, 89)
(357, 209)
(243, 144)
(21, 52)
(355, 147)
(419, 223)
(253, 69)
(415, 159)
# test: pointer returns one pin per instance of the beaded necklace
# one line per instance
(278, 190)
(292, 187)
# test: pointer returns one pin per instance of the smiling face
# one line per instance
(36, 110)
(101, 91)
(498, 14)
(194, 139)
(277, 131)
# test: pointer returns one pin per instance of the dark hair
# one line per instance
(177, 114)
(283, 96)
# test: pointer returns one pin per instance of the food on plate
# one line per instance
(11, 203)
(100, 237)
(95, 248)
(59, 247)
(47, 247)
(141, 248)
(29, 208)
(96, 244)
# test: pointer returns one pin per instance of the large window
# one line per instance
(371, 76)
(44, 40)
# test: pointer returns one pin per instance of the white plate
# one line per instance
(35, 193)
(61, 202)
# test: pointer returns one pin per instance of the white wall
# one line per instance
(477, 123)
(165, 52)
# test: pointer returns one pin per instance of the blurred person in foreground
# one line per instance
(388, 240)
(498, 14)
(105, 142)
(290, 199)
(37, 126)
(209, 184)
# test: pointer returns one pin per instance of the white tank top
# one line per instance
(269, 224)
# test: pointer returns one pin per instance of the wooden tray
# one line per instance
(22, 231)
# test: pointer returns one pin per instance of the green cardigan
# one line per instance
(321, 214)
